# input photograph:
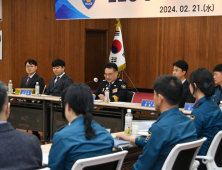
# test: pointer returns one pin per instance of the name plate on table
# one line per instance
(148, 103)
(25, 92)
(188, 106)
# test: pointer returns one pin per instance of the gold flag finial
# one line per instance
(118, 24)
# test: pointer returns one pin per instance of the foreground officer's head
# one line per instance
(4, 105)
(167, 92)
(201, 83)
(110, 72)
(77, 100)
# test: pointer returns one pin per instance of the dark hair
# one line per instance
(80, 99)
(31, 61)
(111, 65)
(204, 80)
(3, 95)
(63, 94)
(218, 68)
(170, 87)
(181, 64)
(58, 62)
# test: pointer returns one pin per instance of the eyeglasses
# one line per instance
(108, 74)
(29, 66)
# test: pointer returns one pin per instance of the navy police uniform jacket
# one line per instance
(216, 96)
(207, 118)
(117, 91)
(172, 127)
(70, 144)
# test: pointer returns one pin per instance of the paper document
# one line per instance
(120, 143)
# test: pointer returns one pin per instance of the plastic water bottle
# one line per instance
(10, 88)
(220, 105)
(107, 95)
(128, 122)
(37, 89)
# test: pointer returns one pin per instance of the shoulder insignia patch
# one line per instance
(123, 86)
(148, 136)
(120, 80)
(192, 117)
(104, 80)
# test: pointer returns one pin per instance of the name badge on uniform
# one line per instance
(147, 103)
(115, 90)
(25, 92)
(188, 106)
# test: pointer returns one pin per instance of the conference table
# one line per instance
(32, 115)
(133, 150)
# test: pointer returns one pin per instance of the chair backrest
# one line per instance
(129, 97)
(215, 150)
(111, 161)
(182, 155)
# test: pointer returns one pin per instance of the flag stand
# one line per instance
(129, 80)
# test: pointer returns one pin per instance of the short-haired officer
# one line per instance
(117, 87)
(172, 126)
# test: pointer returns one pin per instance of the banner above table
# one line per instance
(100, 9)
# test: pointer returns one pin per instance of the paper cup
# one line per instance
(135, 129)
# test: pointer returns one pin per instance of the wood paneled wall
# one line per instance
(151, 44)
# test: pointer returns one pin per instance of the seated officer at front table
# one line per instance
(217, 97)
(84, 137)
(206, 114)
(61, 81)
(117, 87)
(172, 126)
(29, 81)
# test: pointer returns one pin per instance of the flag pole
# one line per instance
(118, 57)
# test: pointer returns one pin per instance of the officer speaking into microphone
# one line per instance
(117, 87)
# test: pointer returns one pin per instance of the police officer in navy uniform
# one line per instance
(206, 114)
(83, 137)
(117, 87)
(172, 126)
(217, 97)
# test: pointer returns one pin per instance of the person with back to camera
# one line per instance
(172, 126)
(206, 114)
(84, 137)
(18, 150)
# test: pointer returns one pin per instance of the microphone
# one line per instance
(94, 80)
(43, 90)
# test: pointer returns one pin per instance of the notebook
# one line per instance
(118, 143)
